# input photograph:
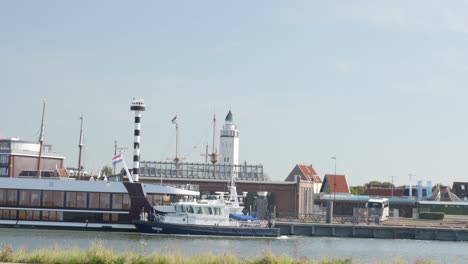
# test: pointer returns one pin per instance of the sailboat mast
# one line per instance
(80, 146)
(41, 141)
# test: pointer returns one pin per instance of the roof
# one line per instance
(309, 173)
(384, 192)
(335, 184)
(229, 117)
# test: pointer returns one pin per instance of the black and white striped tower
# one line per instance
(138, 105)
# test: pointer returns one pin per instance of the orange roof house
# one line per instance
(335, 184)
(305, 173)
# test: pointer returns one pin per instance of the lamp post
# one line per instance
(392, 183)
(334, 187)
(334, 180)
(410, 185)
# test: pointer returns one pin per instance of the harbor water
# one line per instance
(360, 250)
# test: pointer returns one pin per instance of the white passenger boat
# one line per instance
(206, 217)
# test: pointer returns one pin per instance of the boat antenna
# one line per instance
(41, 141)
(80, 146)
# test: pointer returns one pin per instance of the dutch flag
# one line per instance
(117, 158)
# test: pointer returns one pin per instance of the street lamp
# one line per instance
(392, 183)
(410, 185)
(334, 184)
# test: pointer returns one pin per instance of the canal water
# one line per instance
(361, 250)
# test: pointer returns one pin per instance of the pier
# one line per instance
(405, 229)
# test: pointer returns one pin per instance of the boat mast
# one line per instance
(80, 146)
(214, 155)
(176, 159)
(41, 141)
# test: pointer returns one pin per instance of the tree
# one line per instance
(357, 190)
(107, 170)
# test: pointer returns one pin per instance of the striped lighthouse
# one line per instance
(138, 105)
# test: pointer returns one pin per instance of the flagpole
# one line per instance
(130, 178)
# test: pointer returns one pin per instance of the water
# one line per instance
(361, 250)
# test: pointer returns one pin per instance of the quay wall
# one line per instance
(372, 231)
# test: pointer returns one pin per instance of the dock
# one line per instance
(451, 229)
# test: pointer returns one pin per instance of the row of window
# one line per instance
(62, 199)
(55, 216)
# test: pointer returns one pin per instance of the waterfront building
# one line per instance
(306, 173)
(19, 158)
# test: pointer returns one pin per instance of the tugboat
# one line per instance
(206, 218)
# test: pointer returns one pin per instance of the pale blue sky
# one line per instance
(381, 85)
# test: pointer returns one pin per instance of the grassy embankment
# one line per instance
(97, 253)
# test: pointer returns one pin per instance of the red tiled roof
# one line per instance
(337, 183)
(310, 173)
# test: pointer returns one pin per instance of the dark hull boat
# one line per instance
(154, 227)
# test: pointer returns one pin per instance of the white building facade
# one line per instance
(229, 142)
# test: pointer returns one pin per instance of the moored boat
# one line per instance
(206, 217)
(81, 205)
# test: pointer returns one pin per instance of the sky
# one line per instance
(380, 85)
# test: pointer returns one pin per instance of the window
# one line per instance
(58, 199)
(70, 200)
(48, 199)
(3, 171)
(104, 200)
(81, 199)
(117, 201)
(93, 200)
(25, 198)
(12, 197)
(126, 201)
(463, 187)
(3, 193)
(36, 198)
(4, 159)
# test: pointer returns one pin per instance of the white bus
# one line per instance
(378, 207)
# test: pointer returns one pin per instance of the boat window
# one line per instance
(222, 211)
(217, 211)
(36, 198)
(190, 209)
(25, 198)
(81, 199)
(199, 210)
(58, 199)
(116, 201)
(12, 197)
(104, 200)
(210, 210)
(126, 201)
(93, 200)
(3, 196)
(48, 199)
(70, 199)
